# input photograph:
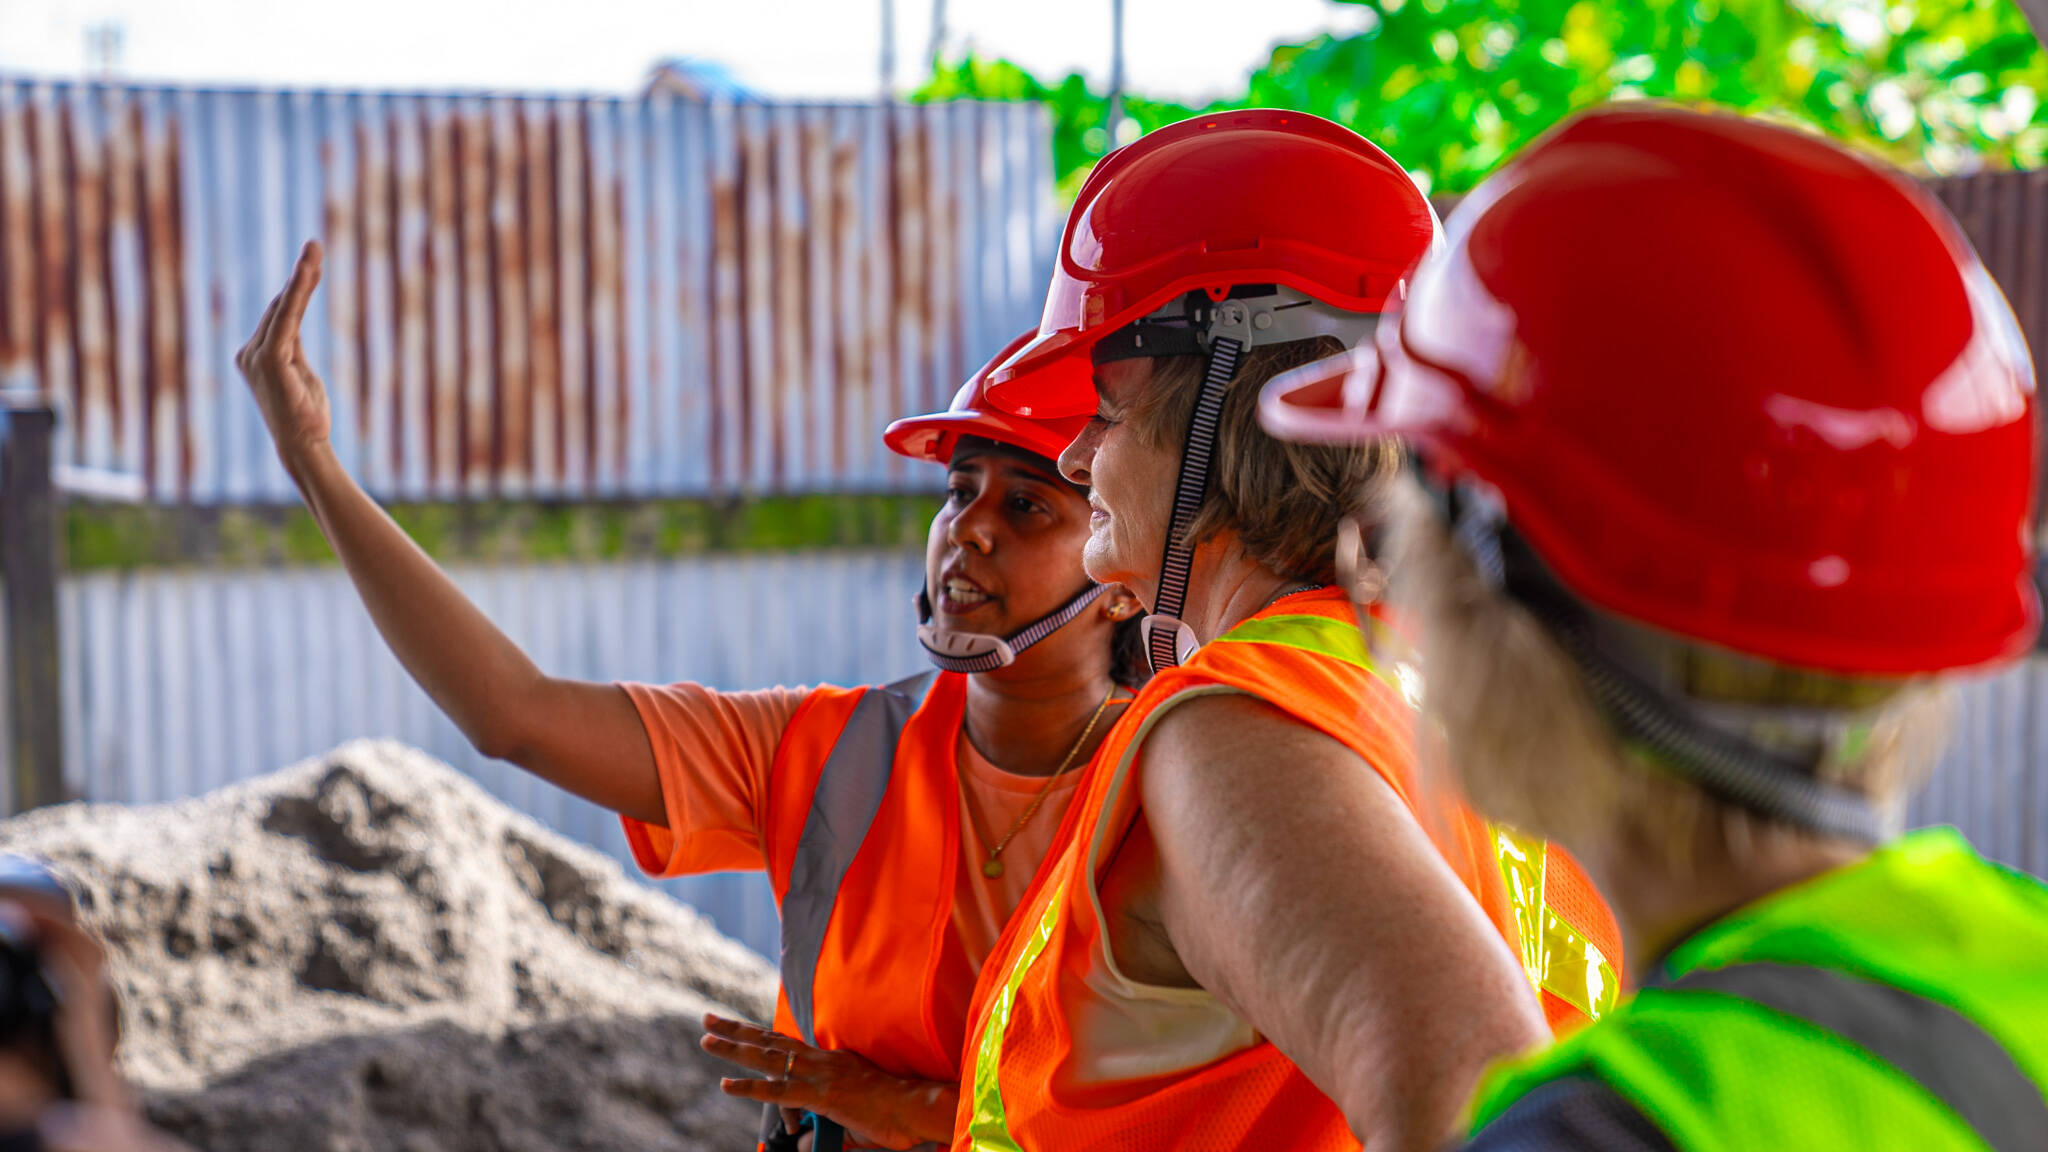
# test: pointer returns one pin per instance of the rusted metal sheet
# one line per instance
(524, 296)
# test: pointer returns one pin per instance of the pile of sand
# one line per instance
(366, 951)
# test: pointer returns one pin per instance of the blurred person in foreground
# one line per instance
(899, 824)
(1724, 444)
(59, 1024)
(1252, 939)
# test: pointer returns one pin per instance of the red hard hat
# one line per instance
(932, 437)
(1728, 380)
(1250, 197)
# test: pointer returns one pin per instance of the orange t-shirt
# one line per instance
(715, 751)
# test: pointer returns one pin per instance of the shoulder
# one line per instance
(1580, 1113)
(1226, 756)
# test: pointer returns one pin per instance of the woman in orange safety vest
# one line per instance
(1263, 933)
(899, 824)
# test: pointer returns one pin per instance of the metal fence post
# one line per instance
(28, 598)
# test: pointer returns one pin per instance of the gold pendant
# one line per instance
(992, 869)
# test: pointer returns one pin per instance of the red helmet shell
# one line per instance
(1730, 381)
(932, 437)
(1249, 197)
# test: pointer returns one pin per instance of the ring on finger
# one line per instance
(788, 1063)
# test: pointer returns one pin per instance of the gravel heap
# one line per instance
(366, 951)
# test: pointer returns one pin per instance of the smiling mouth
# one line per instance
(958, 597)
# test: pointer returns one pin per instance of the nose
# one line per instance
(974, 526)
(1078, 458)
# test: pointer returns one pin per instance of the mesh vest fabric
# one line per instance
(1717, 1072)
(1036, 1079)
(875, 965)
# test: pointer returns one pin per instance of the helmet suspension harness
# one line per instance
(1222, 326)
(1657, 720)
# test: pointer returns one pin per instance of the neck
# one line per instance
(1661, 896)
(1026, 722)
(1227, 587)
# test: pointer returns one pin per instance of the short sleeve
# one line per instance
(714, 752)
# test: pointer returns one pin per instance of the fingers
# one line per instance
(299, 290)
(277, 333)
(774, 1062)
(246, 355)
(788, 1093)
(745, 1033)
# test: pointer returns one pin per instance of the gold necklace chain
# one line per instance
(993, 866)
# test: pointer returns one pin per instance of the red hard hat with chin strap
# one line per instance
(933, 437)
(1724, 379)
(1253, 197)
(1212, 237)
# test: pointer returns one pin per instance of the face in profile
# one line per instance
(1130, 481)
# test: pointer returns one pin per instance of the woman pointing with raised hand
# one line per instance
(899, 824)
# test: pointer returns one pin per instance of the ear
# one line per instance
(1120, 604)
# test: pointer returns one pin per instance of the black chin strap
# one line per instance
(1736, 770)
(1164, 627)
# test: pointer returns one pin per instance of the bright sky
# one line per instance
(819, 48)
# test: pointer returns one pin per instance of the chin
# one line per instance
(1105, 563)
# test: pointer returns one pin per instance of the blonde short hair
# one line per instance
(1523, 738)
(1283, 500)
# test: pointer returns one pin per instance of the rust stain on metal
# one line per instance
(853, 337)
(728, 323)
(18, 309)
(487, 327)
(540, 322)
(622, 414)
(412, 267)
(444, 270)
(479, 351)
(605, 441)
(93, 388)
(163, 246)
(56, 271)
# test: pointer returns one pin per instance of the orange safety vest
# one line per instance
(862, 837)
(1303, 655)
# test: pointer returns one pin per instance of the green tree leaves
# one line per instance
(1452, 87)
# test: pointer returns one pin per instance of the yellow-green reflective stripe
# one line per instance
(989, 1129)
(1557, 957)
(1336, 639)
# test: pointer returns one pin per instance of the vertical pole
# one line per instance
(28, 597)
(888, 50)
(937, 44)
(1116, 72)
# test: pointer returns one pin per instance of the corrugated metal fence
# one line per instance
(524, 295)
(180, 682)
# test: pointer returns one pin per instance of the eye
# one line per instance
(1023, 503)
(959, 493)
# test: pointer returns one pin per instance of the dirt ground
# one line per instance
(365, 951)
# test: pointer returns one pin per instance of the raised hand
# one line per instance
(879, 1109)
(289, 392)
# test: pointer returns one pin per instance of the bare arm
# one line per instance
(1296, 887)
(585, 737)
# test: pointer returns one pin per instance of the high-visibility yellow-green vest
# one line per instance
(1900, 1002)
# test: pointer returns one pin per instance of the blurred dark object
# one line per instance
(29, 1002)
(28, 606)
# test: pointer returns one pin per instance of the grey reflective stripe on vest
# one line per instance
(849, 793)
(1946, 1052)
